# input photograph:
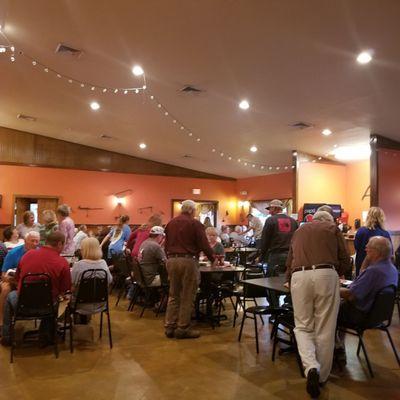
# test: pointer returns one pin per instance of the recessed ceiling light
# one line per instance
(364, 57)
(326, 132)
(94, 105)
(137, 70)
(244, 105)
(253, 149)
(142, 145)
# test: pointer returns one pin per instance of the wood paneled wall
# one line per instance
(23, 148)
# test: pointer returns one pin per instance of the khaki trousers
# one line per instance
(316, 300)
(183, 283)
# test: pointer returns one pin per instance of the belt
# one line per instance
(316, 266)
(183, 255)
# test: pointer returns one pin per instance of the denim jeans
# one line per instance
(276, 265)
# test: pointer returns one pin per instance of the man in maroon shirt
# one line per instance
(185, 239)
(44, 260)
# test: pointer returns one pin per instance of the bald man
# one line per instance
(359, 297)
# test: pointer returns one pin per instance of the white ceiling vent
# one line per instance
(67, 50)
(26, 117)
(106, 137)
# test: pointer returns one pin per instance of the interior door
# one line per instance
(21, 205)
(46, 204)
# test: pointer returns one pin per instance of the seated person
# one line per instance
(359, 297)
(3, 253)
(10, 265)
(225, 239)
(43, 260)
(238, 239)
(217, 248)
(11, 238)
(152, 258)
(91, 259)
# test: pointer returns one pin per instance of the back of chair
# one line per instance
(121, 265)
(35, 296)
(138, 273)
(382, 309)
(93, 287)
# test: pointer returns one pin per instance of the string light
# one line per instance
(139, 73)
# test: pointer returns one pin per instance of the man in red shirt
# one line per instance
(185, 239)
(44, 260)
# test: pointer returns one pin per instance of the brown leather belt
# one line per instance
(311, 267)
(183, 255)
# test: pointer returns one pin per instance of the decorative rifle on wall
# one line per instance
(87, 209)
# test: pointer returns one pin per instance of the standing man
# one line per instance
(185, 239)
(276, 236)
(255, 225)
(318, 255)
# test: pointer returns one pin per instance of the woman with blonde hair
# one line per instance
(91, 259)
(374, 226)
(50, 225)
(139, 235)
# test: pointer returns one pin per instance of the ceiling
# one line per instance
(294, 61)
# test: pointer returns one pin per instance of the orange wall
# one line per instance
(321, 183)
(95, 189)
(267, 187)
(357, 183)
(335, 184)
(389, 186)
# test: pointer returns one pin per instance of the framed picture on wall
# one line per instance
(206, 210)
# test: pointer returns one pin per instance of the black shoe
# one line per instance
(170, 333)
(313, 383)
(340, 356)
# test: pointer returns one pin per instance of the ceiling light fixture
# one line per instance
(352, 153)
(364, 57)
(244, 105)
(142, 145)
(326, 132)
(253, 149)
(94, 105)
(137, 70)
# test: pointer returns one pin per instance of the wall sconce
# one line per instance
(120, 197)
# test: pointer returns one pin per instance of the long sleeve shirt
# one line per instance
(318, 242)
(277, 234)
(186, 235)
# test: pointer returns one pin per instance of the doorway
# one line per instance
(36, 204)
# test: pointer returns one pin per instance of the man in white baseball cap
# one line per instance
(152, 258)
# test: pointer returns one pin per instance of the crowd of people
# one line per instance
(313, 255)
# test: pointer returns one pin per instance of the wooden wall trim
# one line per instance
(374, 176)
(383, 142)
(28, 149)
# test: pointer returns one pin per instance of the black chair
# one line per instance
(142, 289)
(379, 317)
(35, 302)
(93, 288)
(286, 320)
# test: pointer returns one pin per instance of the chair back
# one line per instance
(382, 308)
(93, 287)
(35, 297)
(138, 273)
(121, 265)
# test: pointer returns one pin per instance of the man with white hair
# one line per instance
(185, 239)
(317, 256)
(378, 273)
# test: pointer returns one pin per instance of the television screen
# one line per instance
(310, 209)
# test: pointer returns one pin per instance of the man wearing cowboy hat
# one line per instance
(276, 236)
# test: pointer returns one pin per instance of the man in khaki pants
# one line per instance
(317, 257)
(185, 239)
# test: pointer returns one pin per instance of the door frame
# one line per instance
(30, 196)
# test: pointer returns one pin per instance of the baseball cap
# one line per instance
(157, 230)
(275, 203)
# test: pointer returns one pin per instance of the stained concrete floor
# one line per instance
(145, 365)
